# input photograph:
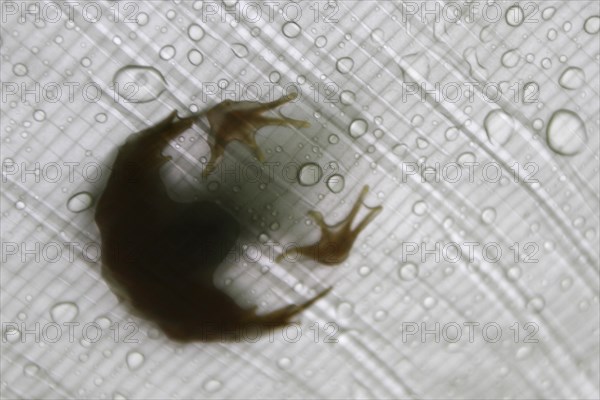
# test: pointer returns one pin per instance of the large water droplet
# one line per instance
(510, 58)
(139, 84)
(195, 32)
(515, 15)
(499, 126)
(357, 128)
(80, 202)
(134, 360)
(239, 50)
(291, 29)
(592, 25)
(167, 52)
(309, 174)
(345, 65)
(336, 183)
(195, 57)
(408, 272)
(572, 78)
(566, 133)
(64, 312)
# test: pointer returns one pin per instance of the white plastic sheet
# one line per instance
(474, 123)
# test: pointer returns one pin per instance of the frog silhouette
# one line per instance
(159, 255)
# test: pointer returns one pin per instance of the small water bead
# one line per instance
(142, 19)
(333, 138)
(239, 50)
(20, 69)
(345, 310)
(20, 205)
(101, 118)
(274, 77)
(320, 41)
(134, 360)
(566, 283)
(536, 304)
(429, 302)
(39, 115)
(347, 97)
(514, 273)
(364, 270)
(488, 215)
(420, 208)
(380, 315)
(552, 34)
(546, 63)
(86, 62)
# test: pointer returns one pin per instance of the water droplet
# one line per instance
(291, 29)
(451, 134)
(239, 50)
(336, 183)
(429, 302)
(513, 273)
(357, 128)
(101, 118)
(333, 138)
(364, 270)
(86, 62)
(566, 283)
(80, 202)
(39, 115)
(378, 36)
(167, 52)
(20, 69)
(511, 58)
(552, 34)
(195, 57)
(134, 360)
(546, 63)
(142, 19)
(422, 143)
(31, 369)
(274, 77)
(20, 205)
(320, 41)
(488, 215)
(419, 208)
(572, 78)
(345, 310)
(380, 315)
(139, 84)
(344, 65)
(515, 15)
(523, 352)
(195, 32)
(548, 13)
(212, 385)
(536, 304)
(566, 133)
(408, 271)
(309, 174)
(284, 363)
(64, 312)
(592, 25)
(347, 97)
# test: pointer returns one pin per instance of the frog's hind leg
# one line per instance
(283, 315)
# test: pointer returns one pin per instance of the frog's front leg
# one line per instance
(239, 121)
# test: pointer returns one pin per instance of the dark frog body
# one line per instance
(159, 255)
